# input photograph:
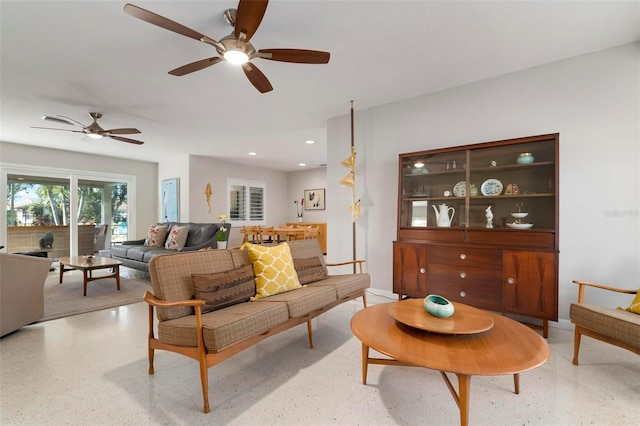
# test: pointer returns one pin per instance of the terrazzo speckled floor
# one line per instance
(92, 369)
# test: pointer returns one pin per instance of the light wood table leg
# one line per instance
(516, 383)
(365, 363)
(464, 385)
(461, 397)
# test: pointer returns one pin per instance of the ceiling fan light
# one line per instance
(94, 135)
(236, 57)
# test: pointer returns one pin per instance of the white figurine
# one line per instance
(489, 216)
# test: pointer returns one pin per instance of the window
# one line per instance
(246, 201)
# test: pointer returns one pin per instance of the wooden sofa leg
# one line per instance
(310, 332)
(576, 344)
(150, 339)
(204, 379)
(364, 298)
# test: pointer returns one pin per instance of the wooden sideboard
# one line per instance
(322, 232)
(478, 224)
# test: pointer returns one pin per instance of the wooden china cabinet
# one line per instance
(478, 224)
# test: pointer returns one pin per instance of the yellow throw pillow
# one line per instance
(273, 269)
(635, 304)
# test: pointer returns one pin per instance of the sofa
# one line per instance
(214, 336)
(136, 254)
(619, 327)
(21, 290)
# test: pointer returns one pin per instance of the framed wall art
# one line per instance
(314, 199)
(170, 199)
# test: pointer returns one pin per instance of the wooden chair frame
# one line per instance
(582, 330)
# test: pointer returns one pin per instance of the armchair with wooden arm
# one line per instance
(614, 326)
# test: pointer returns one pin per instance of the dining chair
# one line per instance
(251, 234)
(268, 234)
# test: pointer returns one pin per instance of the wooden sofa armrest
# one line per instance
(157, 302)
(583, 284)
(349, 262)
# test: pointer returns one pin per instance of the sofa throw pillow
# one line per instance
(224, 289)
(635, 304)
(310, 270)
(156, 235)
(177, 237)
(273, 269)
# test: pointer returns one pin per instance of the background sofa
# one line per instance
(21, 290)
(135, 254)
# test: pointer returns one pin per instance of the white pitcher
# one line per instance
(442, 217)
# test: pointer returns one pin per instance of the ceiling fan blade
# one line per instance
(121, 139)
(248, 17)
(162, 22)
(195, 66)
(52, 128)
(256, 77)
(300, 56)
(124, 131)
(57, 120)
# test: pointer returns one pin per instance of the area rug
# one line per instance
(62, 300)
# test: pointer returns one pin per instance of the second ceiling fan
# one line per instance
(235, 47)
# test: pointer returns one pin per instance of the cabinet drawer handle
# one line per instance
(463, 275)
(422, 270)
(463, 256)
(511, 281)
(463, 294)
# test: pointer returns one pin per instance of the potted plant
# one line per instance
(221, 235)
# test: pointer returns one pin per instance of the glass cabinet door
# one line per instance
(515, 186)
(429, 181)
(504, 186)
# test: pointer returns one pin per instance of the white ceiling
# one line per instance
(73, 57)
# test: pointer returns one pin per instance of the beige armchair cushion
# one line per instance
(21, 290)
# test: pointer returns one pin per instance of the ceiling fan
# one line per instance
(93, 130)
(235, 47)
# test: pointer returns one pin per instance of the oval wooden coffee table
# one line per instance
(507, 347)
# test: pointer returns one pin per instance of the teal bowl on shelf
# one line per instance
(525, 158)
(438, 306)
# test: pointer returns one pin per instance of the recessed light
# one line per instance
(252, 153)
(302, 164)
(309, 142)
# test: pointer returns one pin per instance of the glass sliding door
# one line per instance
(38, 215)
(56, 214)
(103, 205)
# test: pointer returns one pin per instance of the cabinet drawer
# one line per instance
(466, 274)
(480, 258)
(481, 295)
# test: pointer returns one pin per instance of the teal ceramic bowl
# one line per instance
(438, 306)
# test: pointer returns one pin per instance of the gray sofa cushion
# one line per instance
(199, 233)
